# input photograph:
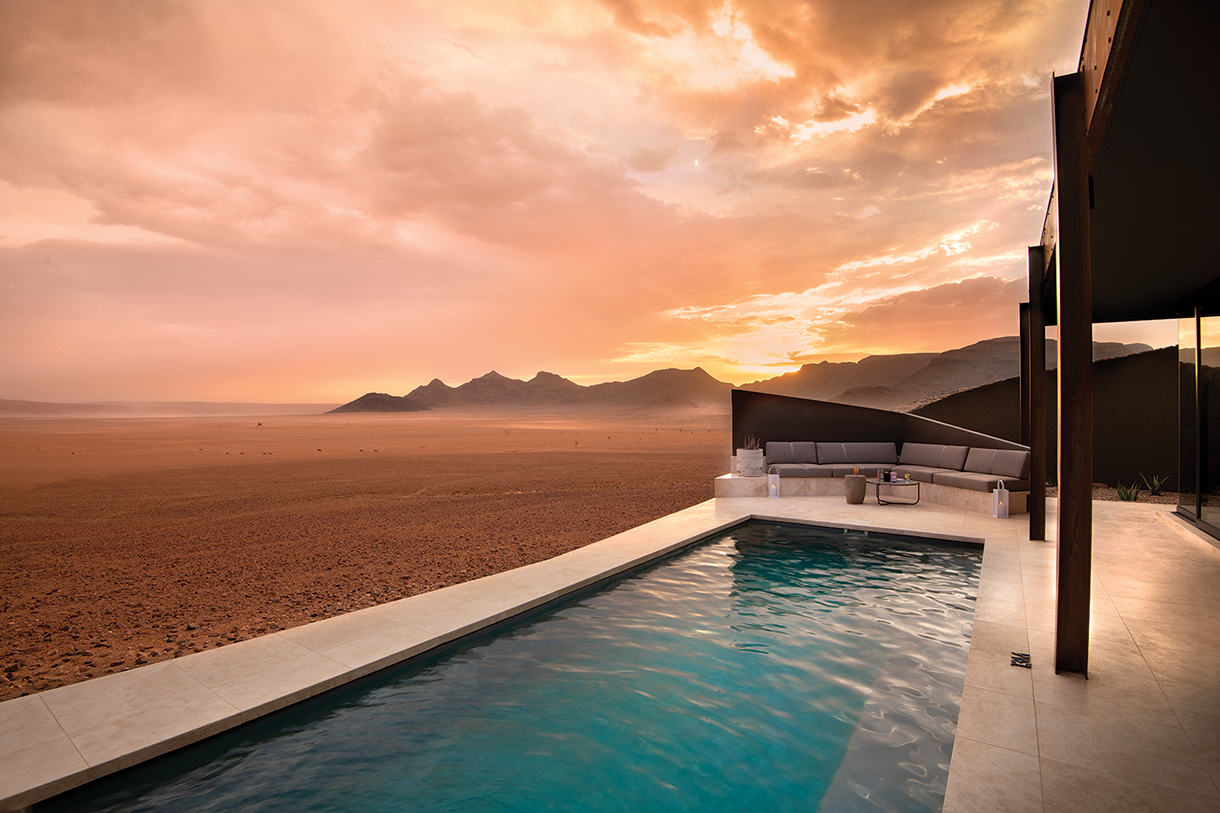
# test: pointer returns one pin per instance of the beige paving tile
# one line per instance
(1107, 652)
(26, 722)
(1166, 590)
(1040, 615)
(1003, 587)
(996, 780)
(1070, 789)
(1002, 559)
(404, 610)
(333, 632)
(1197, 708)
(1123, 746)
(454, 622)
(1009, 613)
(1042, 649)
(1176, 635)
(1198, 667)
(216, 667)
(119, 715)
(373, 652)
(994, 671)
(1002, 720)
(39, 764)
(1108, 692)
(297, 678)
(1002, 638)
(1207, 745)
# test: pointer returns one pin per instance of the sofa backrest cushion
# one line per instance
(806, 451)
(1011, 464)
(954, 457)
(921, 454)
(933, 455)
(1002, 462)
(779, 452)
(980, 460)
(884, 452)
(831, 453)
(798, 452)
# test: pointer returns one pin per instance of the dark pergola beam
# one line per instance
(1025, 371)
(1074, 303)
(1035, 395)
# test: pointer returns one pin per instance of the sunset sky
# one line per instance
(306, 201)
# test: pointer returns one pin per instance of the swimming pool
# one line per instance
(770, 667)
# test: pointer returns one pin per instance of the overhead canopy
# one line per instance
(1154, 154)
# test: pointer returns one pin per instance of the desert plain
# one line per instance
(135, 540)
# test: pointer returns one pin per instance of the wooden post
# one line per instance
(1075, 320)
(1037, 395)
(1025, 371)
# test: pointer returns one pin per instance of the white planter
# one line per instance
(750, 462)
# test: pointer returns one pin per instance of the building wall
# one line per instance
(1135, 416)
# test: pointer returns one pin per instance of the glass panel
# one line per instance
(1209, 419)
(1188, 448)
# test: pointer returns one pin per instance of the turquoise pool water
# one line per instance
(770, 668)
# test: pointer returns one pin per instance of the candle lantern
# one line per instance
(999, 501)
(773, 482)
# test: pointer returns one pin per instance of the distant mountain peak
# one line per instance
(381, 402)
(661, 388)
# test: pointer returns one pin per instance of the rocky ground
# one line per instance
(127, 556)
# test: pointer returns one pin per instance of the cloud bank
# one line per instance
(305, 200)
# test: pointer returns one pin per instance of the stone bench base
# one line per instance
(732, 485)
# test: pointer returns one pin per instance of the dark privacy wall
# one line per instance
(1135, 416)
(780, 417)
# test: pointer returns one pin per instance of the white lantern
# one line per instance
(999, 501)
(772, 482)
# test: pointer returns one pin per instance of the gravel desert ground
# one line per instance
(130, 541)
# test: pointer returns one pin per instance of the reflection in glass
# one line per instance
(1187, 418)
(1209, 419)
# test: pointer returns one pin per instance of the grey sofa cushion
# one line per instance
(798, 470)
(886, 453)
(921, 454)
(1006, 463)
(796, 452)
(819, 470)
(921, 473)
(954, 457)
(977, 481)
(980, 460)
(780, 452)
(831, 453)
(844, 469)
(786, 469)
(1011, 464)
(854, 453)
(934, 455)
(806, 451)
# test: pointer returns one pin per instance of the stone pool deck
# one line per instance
(1142, 734)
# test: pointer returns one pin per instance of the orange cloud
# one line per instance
(273, 201)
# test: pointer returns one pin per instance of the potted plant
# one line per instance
(750, 460)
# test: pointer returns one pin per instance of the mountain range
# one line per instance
(900, 382)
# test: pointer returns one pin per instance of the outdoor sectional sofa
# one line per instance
(962, 476)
